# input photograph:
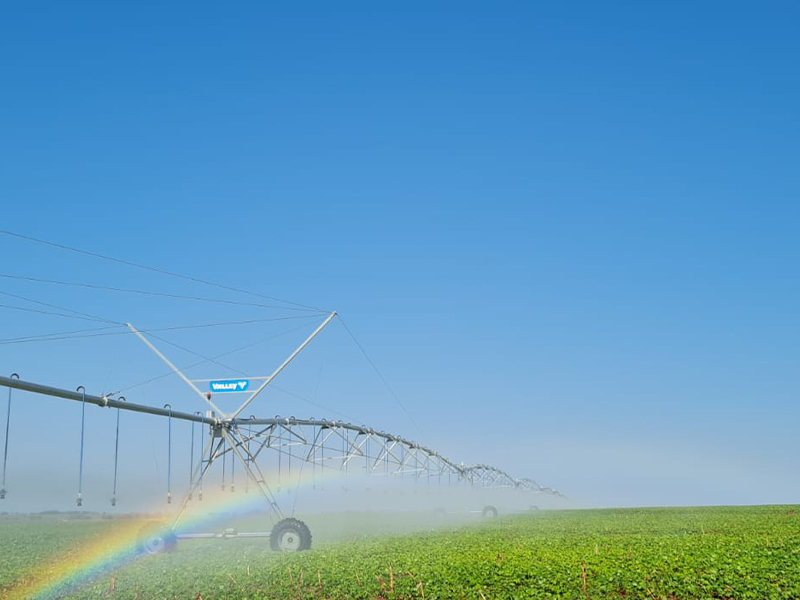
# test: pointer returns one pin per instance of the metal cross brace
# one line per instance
(253, 396)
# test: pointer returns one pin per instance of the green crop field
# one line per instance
(673, 553)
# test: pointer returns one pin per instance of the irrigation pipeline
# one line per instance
(103, 401)
(274, 428)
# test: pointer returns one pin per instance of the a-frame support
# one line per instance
(224, 428)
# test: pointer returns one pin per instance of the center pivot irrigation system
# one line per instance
(322, 443)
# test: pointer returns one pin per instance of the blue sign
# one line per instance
(230, 385)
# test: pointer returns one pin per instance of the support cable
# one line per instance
(248, 457)
(103, 331)
(116, 456)
(5, 451)
(380, 375)
(56, 306)
(214, 358)
(149, 292)
(46, 336)
(79, 500)
(223, 464)
(169, 454)
(243, 374)
(203, 469)
(197, 354)
(47, 312)
(311, 402)
(233, 472)
(153, 269)
(191, 462)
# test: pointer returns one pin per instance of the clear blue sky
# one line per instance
(567, 234)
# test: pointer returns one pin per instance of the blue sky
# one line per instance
(566, 234)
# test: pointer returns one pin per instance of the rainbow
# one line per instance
(119, 545)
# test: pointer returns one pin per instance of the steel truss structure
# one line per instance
(344, 446)
(320, 443)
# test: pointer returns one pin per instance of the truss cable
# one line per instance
(297, 487)
(154, 269)
(169, 454)
(273, 386)
(314, 458)
(191, 460)
(214, 358)
(223, 464)
(243, 374)
(280, 454)
(91, 333)
(81, 389)
(380, 375)
(233, 470)
(47, 336)
(5, 451)
(202, 459)
(47, 304)
(309, 401)
(108, 288)
(45, 312)
(248, 457)
(116, 456)
(197, 354)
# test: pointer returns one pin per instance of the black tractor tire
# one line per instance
(489, 512)
(290, 535)
(155, 538)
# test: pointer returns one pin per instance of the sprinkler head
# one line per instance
(231, 488)
(3, 494)
(79, 501)
(200, 495)
(113, 502)
(169, 498)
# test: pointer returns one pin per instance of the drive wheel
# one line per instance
(290, 535)
(155, 538)
(489, 511)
